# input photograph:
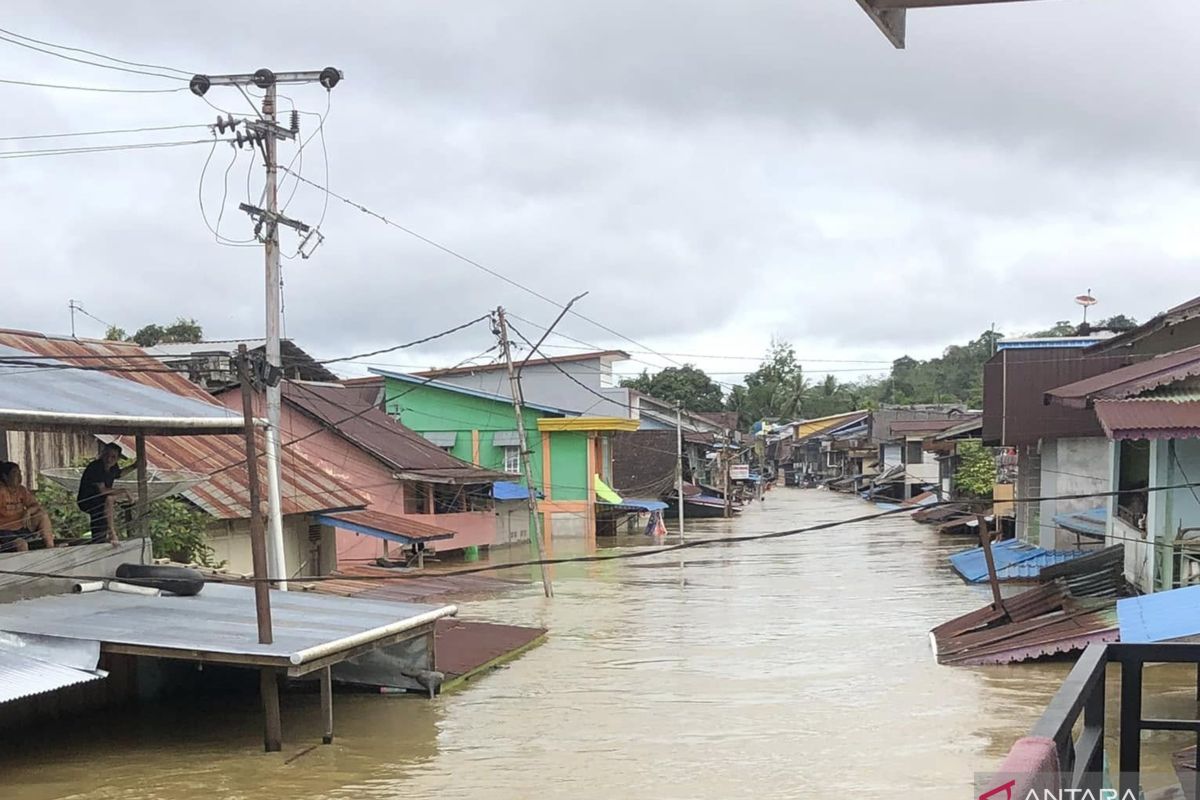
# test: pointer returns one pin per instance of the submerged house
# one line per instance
(828, 447)
(218, 461)
(570, 455)
(904, 468)
(419, 497)
(1060, 449)
(74, 644)
(1150, 415)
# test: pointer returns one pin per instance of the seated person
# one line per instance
(24, 524)
(97, 496)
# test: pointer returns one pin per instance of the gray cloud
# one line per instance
(753, 169)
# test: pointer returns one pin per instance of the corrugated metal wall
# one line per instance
(37, 451)
(1015, 381)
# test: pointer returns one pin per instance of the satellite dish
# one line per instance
(1087, 301)
(160, 483)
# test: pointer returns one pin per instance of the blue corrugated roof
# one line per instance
(1014, 560)
(1161, 616)
(1091, 522)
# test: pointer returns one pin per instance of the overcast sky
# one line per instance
(713, 173)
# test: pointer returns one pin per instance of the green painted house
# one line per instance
(567, 452)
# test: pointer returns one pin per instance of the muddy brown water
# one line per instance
(795, 667)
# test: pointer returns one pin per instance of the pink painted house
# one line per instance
(419, 497)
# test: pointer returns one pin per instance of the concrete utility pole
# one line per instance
(679, 465)
(266, 131)
(514, 383)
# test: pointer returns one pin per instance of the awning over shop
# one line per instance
(404, 530)
(604, 492)
(605, 495)
(505, 490)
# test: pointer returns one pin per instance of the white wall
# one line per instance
(1071, 466)
(230, 541)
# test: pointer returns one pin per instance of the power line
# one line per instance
(94, 53)
(414, 343)
(104, 133)
(639, 553)
(91, 63)
(474, 263)
(100, 149)
(75, 88)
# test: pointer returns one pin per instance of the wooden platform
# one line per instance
(465, 650)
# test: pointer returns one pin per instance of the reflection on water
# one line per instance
(783, 668)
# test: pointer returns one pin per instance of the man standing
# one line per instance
(24, 524)
(97, 496)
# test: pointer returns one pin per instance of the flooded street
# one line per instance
(797, 667)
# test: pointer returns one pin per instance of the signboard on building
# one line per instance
(739, 472)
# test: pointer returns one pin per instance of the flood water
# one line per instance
(795, 667)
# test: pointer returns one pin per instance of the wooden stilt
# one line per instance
(268, 686)
(985, 541)
(327, 704)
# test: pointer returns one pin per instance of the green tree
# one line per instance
(1061, 328)
(688, 386)
(181, 330)
(178, 530)
(976, 474)
(1117, 322)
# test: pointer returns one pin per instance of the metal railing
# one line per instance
(1081, 758)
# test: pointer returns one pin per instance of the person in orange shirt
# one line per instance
(23, 521)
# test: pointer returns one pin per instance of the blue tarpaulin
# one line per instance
(1013, 558)
(509, 491)
(1161, 616)
(641, 505)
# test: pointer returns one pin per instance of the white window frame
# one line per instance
(512, 459)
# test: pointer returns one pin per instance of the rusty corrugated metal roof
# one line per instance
(1128, 381)
(1149, 419)
(361, 423)
(304, 486)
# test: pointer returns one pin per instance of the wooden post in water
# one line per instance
(268, 687)
(985, 541)
(327, 704)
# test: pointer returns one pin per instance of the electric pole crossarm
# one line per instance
(328, 77)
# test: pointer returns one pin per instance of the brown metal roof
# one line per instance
(345, 411)
(1148, 419)
(1014, 385)
(391, 523)
(1130, 380)
(919, 426)
(533, 362)
(304, 486)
